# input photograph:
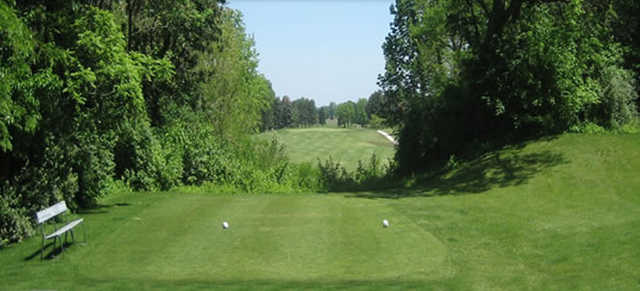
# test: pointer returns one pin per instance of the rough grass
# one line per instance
(345, 145)
(558, 214)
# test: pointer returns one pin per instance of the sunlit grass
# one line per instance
(348, 146)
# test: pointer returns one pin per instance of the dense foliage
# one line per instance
(462, 75)
(145, 95)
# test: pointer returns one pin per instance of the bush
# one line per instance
(333, 176)
(306, 177)
(376, 122)
(368, 172)
(587, 127)
(264, 167)
(368, 175)
(37, 185)
(618, 96)
(145, 162)
(92, 159)
(15, 224)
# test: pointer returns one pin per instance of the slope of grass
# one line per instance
(347, 146)
(558, 214)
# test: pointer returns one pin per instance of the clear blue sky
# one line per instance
(324, 50)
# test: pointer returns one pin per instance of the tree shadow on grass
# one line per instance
(488, 171)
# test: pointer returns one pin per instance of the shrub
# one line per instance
(92, 160)
(15, 224)
(306, 177)
(368, 175)
(146, 163)
(587, 127)
(367, 172)
(334, 176)
(376, 122)
(618, 97)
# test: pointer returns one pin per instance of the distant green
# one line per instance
(556, 214)
(345, 145)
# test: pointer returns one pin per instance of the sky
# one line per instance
(329, 51)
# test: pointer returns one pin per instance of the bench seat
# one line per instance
(65, 228)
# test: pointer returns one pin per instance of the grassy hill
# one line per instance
(347, 145)
(555, 214)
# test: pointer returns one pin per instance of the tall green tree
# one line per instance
(285, 114)
(332, 110)
(375, 104)
(460, 72)
(624, 19)
(322, 115)
(88, 90)
(305, 112)
(177, 31)
(360, 113)
(233, 94)
(18, 104)
(346, 113)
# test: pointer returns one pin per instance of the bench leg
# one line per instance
(42, 249)
(53, 250)
(84, 231)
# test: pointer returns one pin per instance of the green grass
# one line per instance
(173, 241)
(347, 146)
(557, 214)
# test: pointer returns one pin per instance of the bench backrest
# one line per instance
(48, 213)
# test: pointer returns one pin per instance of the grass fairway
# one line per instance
(346, 145)
(560, 214)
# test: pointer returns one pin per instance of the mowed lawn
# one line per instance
(558, 214)
(175, 241)
(344, 145)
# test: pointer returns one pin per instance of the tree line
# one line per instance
(463, 76)
(303, 112)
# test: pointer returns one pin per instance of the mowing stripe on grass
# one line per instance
(315, 238)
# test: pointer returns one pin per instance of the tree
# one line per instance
(305, 112)
(376, 104)
(286, 113)
(624, 26)
(460, 72)
(177, 31)
(332, 110)
(88, 90)
(346, 113)
(360, 114)
(234, 93)
(322, 115)
(18, 105)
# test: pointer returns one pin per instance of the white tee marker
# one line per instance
(225, 225)
(385, 223)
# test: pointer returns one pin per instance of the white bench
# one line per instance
(51, 212)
